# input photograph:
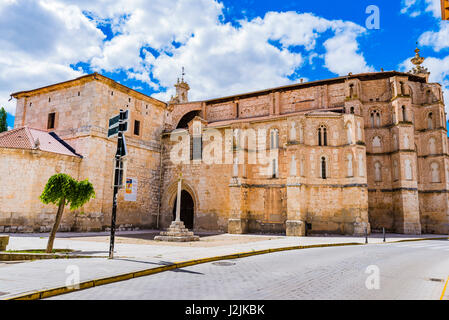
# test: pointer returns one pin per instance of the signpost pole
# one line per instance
(118, 178)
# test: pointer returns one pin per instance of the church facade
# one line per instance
(348, 155)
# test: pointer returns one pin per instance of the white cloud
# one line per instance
(38, 42)
(414, 8)
(43, 38)
(342, 55)
(438, 40)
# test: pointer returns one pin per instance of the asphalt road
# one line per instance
(408, 270)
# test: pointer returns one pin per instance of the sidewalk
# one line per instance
(136, 251)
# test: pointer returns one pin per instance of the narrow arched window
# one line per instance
(404, 114)
(275, 168)
(322, 136)
(274, 139)
(352, 110)
(325, 136)
(323, 168)
(430, 121)
(375, 118)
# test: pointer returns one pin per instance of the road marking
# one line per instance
(444, 289)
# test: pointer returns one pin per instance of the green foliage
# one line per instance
(3, 124)
(62, 186)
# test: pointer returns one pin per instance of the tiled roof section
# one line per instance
(28, 138)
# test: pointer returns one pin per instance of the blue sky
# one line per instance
(226, 47)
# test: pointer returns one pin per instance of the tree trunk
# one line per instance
(51, 239)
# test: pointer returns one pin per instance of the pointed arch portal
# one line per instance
(187, 209)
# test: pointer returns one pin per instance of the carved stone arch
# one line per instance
(180, 111)
(169, 197)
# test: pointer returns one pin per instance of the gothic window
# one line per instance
(349, 133)
(430, 121)
(274, 139)
(352, 110)
(351, 90)
(404, 114)
(395, 170)
(377, 171)
(408, 169)
(323, 168)
(402, 88)
(375, 118)
(435, 172)
(274, 168)
(361, 167)
(293, 132)
(377, 142)
(301, 134)
(432, 146)
(322, 136)
(395, 142)
(428, 97)
(406, 142)
(349, 165)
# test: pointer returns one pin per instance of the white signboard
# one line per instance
(131, 189)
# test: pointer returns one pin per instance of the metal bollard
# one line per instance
(366, 235)
(383, 231)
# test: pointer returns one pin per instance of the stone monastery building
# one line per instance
(354, 153)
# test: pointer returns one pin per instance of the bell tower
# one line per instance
(182, 90)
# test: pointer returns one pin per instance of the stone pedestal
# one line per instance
(4, 240)
(177, 232)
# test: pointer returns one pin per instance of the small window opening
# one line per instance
(136, 127)
(51, 121)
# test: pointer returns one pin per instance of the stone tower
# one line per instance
(182, 89)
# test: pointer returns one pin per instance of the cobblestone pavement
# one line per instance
(414, 270)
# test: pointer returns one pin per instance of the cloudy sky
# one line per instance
(226, 47)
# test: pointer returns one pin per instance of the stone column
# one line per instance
(238, 220)
(178, 201)
(296, 220)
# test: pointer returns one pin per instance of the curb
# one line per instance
(46, 293)
(419, 239)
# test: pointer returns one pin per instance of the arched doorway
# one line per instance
(187, 209)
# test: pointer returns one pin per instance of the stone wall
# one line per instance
(29, 170)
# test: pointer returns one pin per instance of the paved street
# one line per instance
(407, 270)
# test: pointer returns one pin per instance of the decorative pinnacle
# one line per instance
(417, 60)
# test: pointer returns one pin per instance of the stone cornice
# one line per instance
(85, 79)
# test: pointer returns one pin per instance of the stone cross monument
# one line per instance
(177, 232)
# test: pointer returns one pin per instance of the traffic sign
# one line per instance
(118, 123)
(113, 122)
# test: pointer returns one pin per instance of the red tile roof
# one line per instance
(33, 139)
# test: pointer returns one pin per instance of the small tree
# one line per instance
(61, 189)
(3, 124)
